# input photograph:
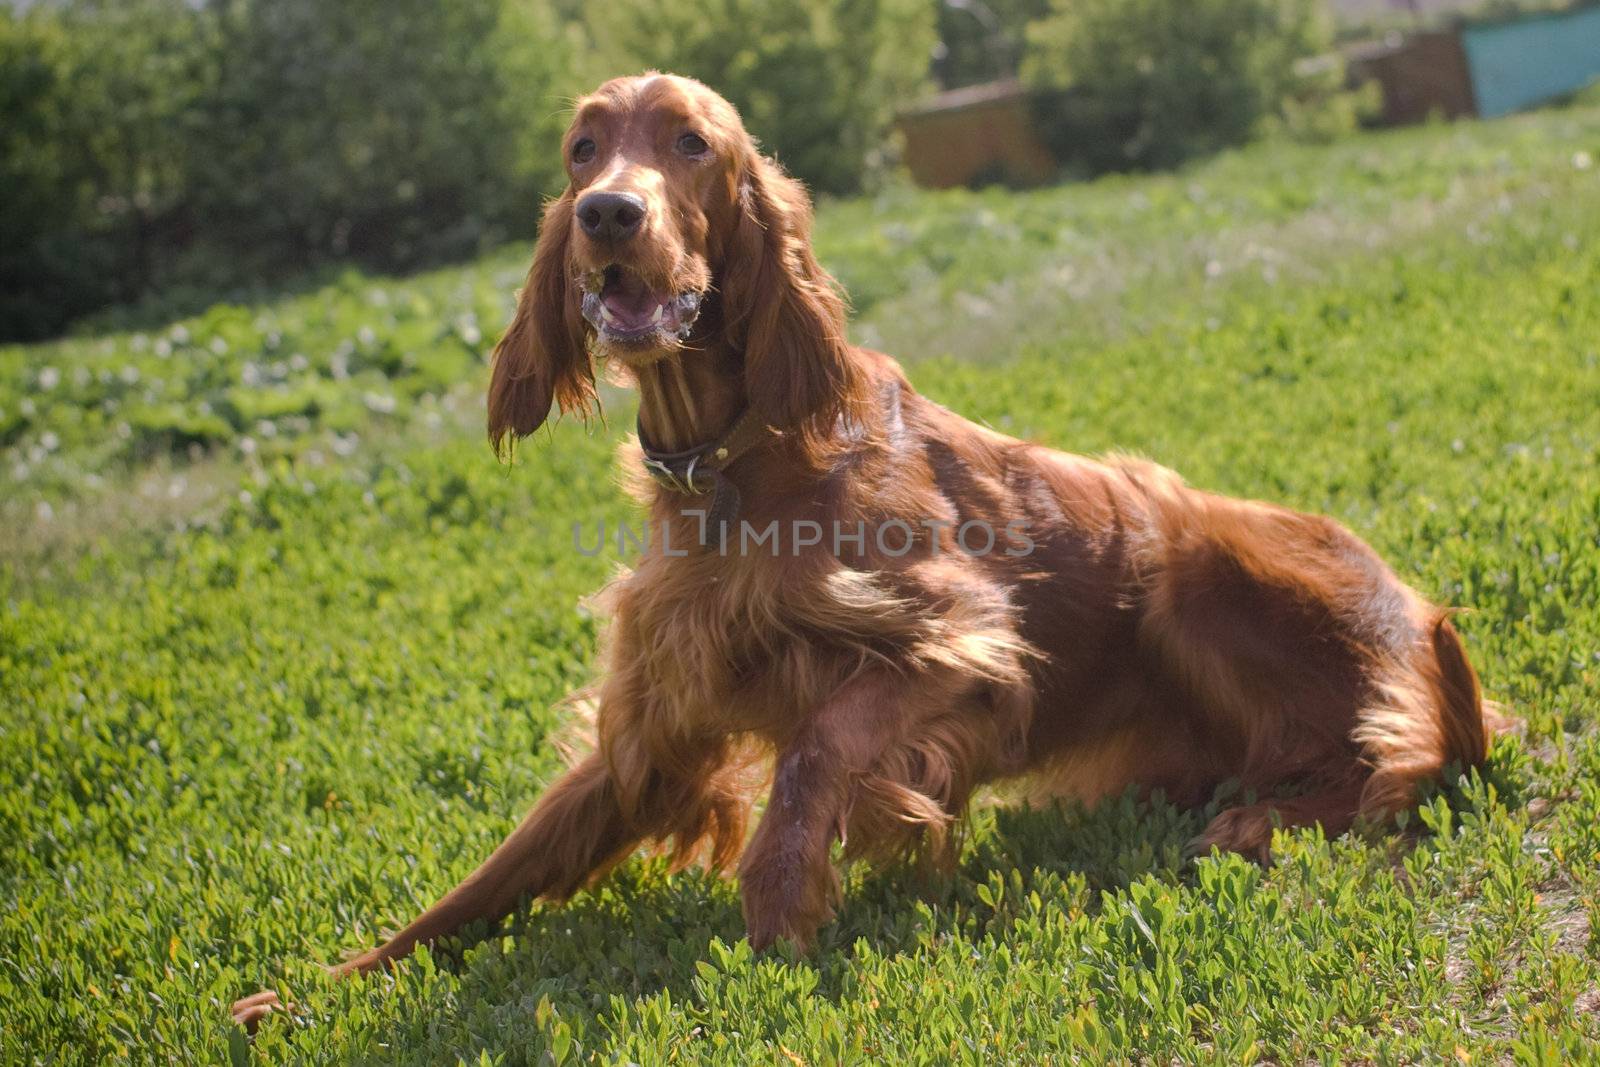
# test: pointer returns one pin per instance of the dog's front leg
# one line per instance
(787, 877)
(575, 830)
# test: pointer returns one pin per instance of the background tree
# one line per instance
(94, 152)
(383, 130)
(982, 40)
(1151, 83)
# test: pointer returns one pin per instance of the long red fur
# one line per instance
(1157, 636)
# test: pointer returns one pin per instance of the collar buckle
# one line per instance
(667, 475)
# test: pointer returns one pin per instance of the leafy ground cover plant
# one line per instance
(247, 723)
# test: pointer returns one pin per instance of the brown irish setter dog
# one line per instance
(892, 606)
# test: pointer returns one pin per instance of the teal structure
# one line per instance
(1517, 64)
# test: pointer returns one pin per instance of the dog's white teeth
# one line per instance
(606, 315)
(655, 319)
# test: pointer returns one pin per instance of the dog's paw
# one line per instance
(780, 902)
(765, 931)
(249, 1011)
(1246, 830)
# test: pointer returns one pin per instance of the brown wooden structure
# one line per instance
(1421, 75)
(969, 136)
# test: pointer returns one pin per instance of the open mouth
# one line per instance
(624, 309)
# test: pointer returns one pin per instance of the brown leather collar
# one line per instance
(700, 469)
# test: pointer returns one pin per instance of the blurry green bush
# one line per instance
(163, 145)
(97, 101)
(391, 131)
(1133, 84)
(982, 40)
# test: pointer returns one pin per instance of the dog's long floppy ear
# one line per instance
(784, 311)
(543, 357)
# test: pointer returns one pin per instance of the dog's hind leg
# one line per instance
(1430, 715)
(1422, 714)
(1313, 665)
(1426, 715)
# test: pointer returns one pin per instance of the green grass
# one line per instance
(262, 701)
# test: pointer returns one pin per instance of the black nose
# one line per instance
(610, 216)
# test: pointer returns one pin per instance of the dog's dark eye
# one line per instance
(583, 151)
(692, 144)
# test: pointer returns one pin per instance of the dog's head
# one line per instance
(674, 234)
